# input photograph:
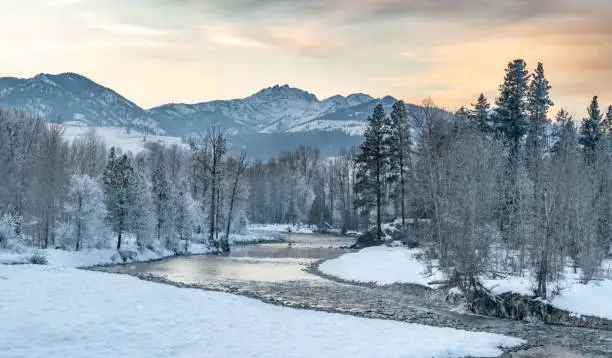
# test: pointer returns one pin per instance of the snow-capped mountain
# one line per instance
(265, 123)
(271, 110)
(70, 97)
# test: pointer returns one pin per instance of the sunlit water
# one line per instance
(264, 262)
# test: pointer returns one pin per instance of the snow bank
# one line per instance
(386, 265)
(382, 265)
(91, 257)
(52, 312)
(256, 237)
(300, 229)
(592, 299)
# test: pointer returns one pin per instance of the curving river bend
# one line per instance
(280, 274)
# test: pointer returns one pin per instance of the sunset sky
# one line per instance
(160, 51)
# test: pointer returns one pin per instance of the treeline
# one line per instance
(507, 190)
(56, 194)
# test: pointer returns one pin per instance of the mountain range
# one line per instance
(280, 116)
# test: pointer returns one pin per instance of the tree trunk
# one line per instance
(402, 191)
(119, 241)
(233, 198)
(378, 203)
(211, 230)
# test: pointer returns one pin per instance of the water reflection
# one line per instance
(266, 262)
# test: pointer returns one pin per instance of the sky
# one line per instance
(160, 51)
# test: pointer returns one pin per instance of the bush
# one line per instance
(39, 257)
(8, 230)
(367, 239)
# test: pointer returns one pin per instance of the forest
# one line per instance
(503, 187)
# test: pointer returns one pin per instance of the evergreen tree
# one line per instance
(565, 134)
(319, 213)
(121, 192)
(400, 144)
(291, 215)
(512, 126)
(606, 125)
(162, 201)
(511, 105)
(538, 104)
(373, 162)
(590, 130)
(480, 114)
(182, 222)
(462, 114)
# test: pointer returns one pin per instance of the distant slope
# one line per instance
(272, 110)
(71, 97)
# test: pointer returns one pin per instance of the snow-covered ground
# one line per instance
(382, 265)
(50, 312)
(386, 265)
(300, 229)
(118, 137)
(90, 257)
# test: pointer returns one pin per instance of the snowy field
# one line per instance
(118, 137)
(51, 312)
(386, 265)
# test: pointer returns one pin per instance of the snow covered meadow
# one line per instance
(387, 265)
(119, 137)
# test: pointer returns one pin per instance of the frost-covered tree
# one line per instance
(163, 203)
(86, 213)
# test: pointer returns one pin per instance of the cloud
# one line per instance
(130, 29)
(226, 34)
(307, 38)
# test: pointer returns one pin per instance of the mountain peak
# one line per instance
(283, 92)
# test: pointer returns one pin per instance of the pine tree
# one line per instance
(565, 134)
(400, 144)
(590, 130)
(480, 114)
(606, 125)
(511, 105)
(538, 104)
(182, 222)
(319, 214)
(512, 126)
(373, 162)
(462, 114)
(120, 189)
(162, 201)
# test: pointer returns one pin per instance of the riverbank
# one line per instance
(383, 266)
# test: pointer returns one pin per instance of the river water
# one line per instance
(275, 273)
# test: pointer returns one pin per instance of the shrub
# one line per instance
(39, 257)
